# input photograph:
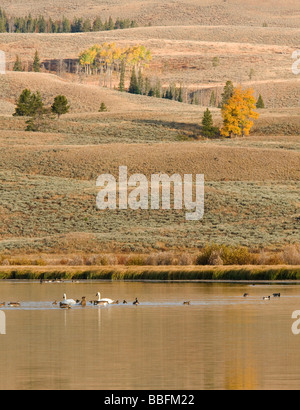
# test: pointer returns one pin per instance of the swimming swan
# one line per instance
(104, 301)
(68, 301)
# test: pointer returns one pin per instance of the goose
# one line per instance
(83, 302)
(136, 302)
(63, 305)
(68, 301)
(104, 301)
(14, 304)
(266, 297)
(187, 303)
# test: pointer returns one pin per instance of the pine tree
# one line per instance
(39, 121)
(122, 77)
(147, 86)
(28, 104)
(36, 63)
(157, 89)
(208, 129)
(18, 64)
(41, 25)
(260, 102)
(97, 24)
(213, 100)
(86, 26)
(3, 27)
(133, 88)
(103, 107)
(110, 24)
(228, 93)
(66, 25)
(60, 106)
(179, 98)
(151, 93)
(140, 82)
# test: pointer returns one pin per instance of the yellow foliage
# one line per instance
(110, 54)
(238, 112)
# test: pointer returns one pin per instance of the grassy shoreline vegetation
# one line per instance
(170, 273)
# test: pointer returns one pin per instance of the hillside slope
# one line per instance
(208, 12)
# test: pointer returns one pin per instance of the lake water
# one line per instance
(220, 341)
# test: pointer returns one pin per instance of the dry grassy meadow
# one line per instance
(47, 201)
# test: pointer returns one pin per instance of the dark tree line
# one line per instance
(29, 24)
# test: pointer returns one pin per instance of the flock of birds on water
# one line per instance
(275, 295)
(68, 303)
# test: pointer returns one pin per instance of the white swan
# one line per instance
(68, 301)
(104, 301)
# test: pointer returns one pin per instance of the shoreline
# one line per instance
(207, 274)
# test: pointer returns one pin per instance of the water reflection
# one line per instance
(221, 341)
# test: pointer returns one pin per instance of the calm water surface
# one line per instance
(220, 341)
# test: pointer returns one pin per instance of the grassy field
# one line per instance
(182, 55)
(47, 190)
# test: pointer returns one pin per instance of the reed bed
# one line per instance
(163, 273)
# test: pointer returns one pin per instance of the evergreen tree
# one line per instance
(140, 81)
(147, 86)
(179, 98)
(151, 93)
(28, 24)
(122, 77)
(41, 25)
(260, 102)
(213, 100)
(38, 121)
(103, 107)
(60, 106)
(208, 129)
(18, 64)
(97, 24)
(228, 93)
(66, 25)
(28, 104)
(157, 89)
(86, 26)
(133, 88)
(36, 63)
(77, 26)
(110, 24)
(3, 28)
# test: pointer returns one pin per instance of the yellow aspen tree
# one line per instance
(238, 113)
(106, 58)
